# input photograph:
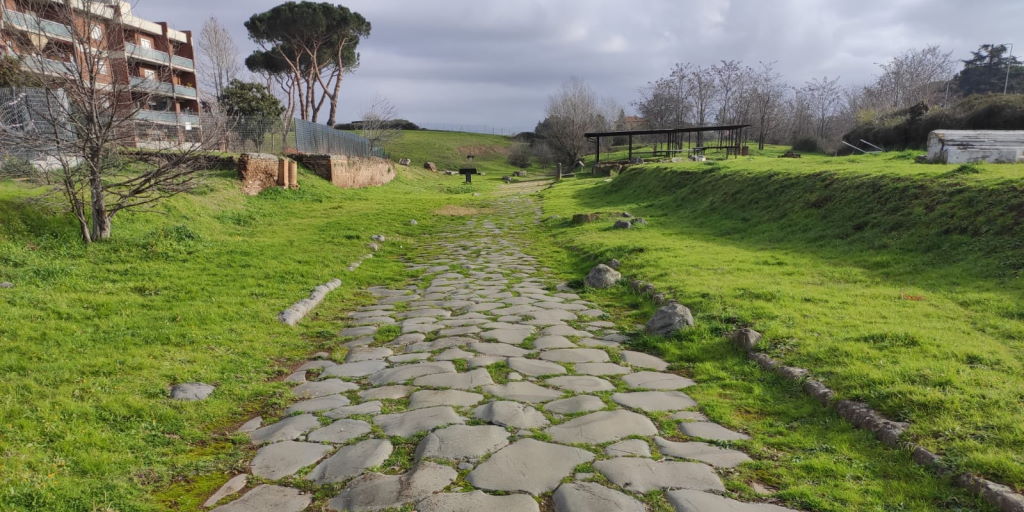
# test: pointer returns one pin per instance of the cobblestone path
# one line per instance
(494, 393)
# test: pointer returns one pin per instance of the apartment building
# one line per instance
(153, 62)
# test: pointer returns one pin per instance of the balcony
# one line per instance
(38, 25)
(47, 66)
(156, 56)
(165, 88)
(163, 117)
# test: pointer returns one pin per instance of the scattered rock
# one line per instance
(6, 284)
(592, 497)
(528, 465)
(669, 319)
(373, 246)
(191, 391)
(614, 263)
(378, 238)
(413, 222)
(583, 218)
(639, 221)
(622, 224)
(430, 166)
(745, 338)
(405, 161)
(603, 276)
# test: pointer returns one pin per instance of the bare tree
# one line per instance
(218, 57)
(378, 123)
(81, 114)
(731, 78)
(823, 97)
(913, 77)
(766, 97)
(699, 85)
(664, 104)
(571, 112)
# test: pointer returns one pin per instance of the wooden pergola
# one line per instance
(728, 137)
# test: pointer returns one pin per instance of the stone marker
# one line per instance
(191, 391)
(592, 497)
(670, 318)
(269, 498)
(602, 276)
(374, 491)
(478, 501)
(351, 460)
(645, 475)
(528, 465)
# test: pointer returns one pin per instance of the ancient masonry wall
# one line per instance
(350, 171)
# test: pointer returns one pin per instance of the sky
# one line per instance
(486, 63)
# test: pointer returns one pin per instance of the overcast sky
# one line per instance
(495, 63)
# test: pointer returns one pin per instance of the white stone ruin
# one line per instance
(968, 146)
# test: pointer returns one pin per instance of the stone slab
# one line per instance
(576, 404)
(657, 381)
(710, 431)
(575, 355)
(462, 442)
(593, 497)
(405, 424)
(341, 431)
(269, 498)
(602, 427)
(511, 414)
(523, 392)
(652, 401)
(350, 461)
(478, 501)
(707, 453)
(529, 466)
(374, 491)
(283, 459)
(645, 475)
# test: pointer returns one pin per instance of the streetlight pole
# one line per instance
(1009, 64)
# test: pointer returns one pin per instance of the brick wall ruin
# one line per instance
(260, 171)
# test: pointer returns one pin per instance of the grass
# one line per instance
(94, 336)
(896, 283)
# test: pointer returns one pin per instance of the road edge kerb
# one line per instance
(862, 416)
(300, 309)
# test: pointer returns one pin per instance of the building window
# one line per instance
(104, 67)
(149, 74)
(146, 43)
(97, 33)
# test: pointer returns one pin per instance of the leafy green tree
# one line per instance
(314, 44)
(253, 108)
(986, 72)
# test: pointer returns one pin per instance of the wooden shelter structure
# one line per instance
(690, 141)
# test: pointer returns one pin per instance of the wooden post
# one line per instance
(597, 155)
(558, 173)
(282, 172)
(630, 148)
(293, 174)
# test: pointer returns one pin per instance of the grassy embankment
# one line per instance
(897, 283)
(93, 336)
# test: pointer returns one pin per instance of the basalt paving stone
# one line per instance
(410, 371)
(354, 410)
(591, 313)
(512, 319)
(601, 369)
(409, 358)
(685, 500)
(309, 365)
(564, 330)
(296, 378)
(283, 459)
(594, 342)
(373, 320)
(656, 381)
(592, 497)
(353, 332)
(714, 455)
(367, 354)
(322, 388)
(483, 361)
(374, 491)
(406, 339)
(386, 393)
(452, 354)
(463, 322)
(618, 338)
(467, 380)
(477, 501)
(498, 349)
(354, 370)
(450, 341)
(520, 309)
(580, 383)
(459, 331)
(285, 430)
(405, 424)
(651, 401)
(688, 416)
(318, 404)
(359, 342)
(485, 306)
(535, 367)
(561, 304)
(462, 442)
(528, 465)
(420, 328)
(552, 342)
(511, 414)
(350, 461)
(575, 355)
(576, 404)
(645, 475)
(341, 431)
(628, 448)
(602, 427)
(642, 360)
(710, 431)
(523, 392)
(513, 336)
(251, 425)
(424, 313)
(433, 398)
(549, 317)
(269, 498)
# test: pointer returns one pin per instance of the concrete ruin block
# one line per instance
(968, 146)
(350, 171)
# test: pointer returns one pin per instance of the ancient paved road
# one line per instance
(515, 393)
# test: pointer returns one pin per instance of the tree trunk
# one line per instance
(332, 117)
(100, 216)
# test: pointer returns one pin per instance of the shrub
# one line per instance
(807, 145)
(519, 156)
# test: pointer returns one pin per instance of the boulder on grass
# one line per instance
(622, 224)
(583, 218)
(6, 285)
(669, 319)
(191, 391)
(602, 276)
(430, 166)
(745, 338)
(405, 161)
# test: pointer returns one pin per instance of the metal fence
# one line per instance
(320, 139)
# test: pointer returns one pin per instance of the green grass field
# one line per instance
(896, 283)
